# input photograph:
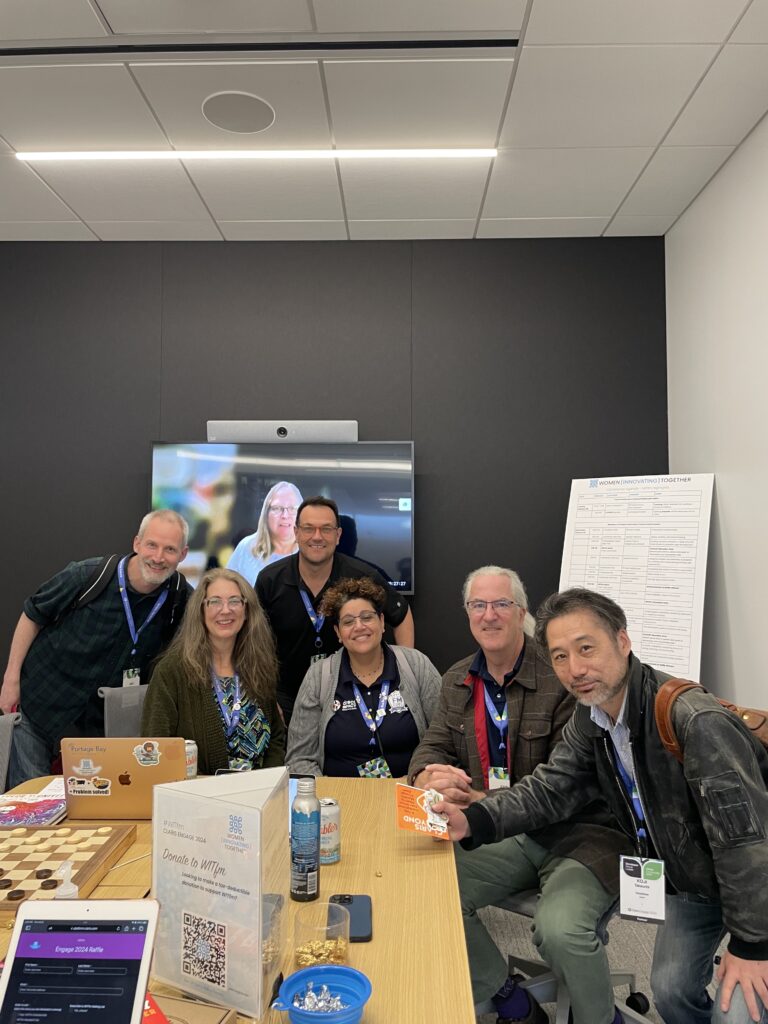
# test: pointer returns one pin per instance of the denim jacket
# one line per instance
(706, 818)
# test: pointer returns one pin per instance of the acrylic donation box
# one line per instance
(220, 869)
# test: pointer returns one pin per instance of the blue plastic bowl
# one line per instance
(353, 987)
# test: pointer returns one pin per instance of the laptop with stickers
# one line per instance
(113, 777)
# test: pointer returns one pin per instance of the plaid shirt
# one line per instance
(87, 648)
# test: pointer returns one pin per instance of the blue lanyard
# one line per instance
(631, 788)
(381, 710)
(136, 633)
(230, 721)
(315, 618)
(499, 720)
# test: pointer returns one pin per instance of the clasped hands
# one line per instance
(456, 788)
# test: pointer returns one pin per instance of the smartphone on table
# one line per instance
(360, 915)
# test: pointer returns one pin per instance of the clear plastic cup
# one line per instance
(321, 935)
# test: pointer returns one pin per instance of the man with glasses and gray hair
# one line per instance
(501, 712)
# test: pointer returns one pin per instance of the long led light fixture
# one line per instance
(263, 154)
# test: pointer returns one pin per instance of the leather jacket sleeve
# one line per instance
(555, 791)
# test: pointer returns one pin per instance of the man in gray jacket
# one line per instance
(706, 819)
(501, 713)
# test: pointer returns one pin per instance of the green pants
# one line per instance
(571, 904)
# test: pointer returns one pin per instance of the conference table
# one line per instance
(416, 961)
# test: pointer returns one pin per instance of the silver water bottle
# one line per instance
(305, 843)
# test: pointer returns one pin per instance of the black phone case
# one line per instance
(360, 915)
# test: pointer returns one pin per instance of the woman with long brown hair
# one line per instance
(216, 682)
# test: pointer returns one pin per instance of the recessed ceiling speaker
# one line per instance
(238, 112)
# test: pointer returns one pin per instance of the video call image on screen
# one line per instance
(67, 970)
(240, 501)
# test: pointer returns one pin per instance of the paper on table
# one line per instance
(55, 788)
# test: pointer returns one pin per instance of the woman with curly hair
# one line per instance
(362, 711)
(216, 682)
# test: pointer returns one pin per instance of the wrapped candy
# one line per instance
(318, 1002)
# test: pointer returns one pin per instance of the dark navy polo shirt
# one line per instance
(278, 588)
(479, 667)
(348, 738)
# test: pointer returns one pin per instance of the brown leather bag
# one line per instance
(755, 720)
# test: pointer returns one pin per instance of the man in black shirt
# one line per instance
(290, 590)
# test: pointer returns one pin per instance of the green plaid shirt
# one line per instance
(87, 648)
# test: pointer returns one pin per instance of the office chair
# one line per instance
(544, 986)
(122, 709)
(7, 723)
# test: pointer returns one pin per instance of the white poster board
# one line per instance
(642, 541)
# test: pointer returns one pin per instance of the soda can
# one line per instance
(190, 748)
(330, 831)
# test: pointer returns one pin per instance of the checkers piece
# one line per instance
(5, 883)
(16, 894)
(48, 883)
(43, 873)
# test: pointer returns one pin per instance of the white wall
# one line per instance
(717, 344)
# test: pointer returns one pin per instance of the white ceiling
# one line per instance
(610, 116)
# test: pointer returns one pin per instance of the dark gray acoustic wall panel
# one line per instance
(513, 365)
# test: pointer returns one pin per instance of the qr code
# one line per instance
(204, 950)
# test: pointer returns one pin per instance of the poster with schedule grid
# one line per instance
(643, 541)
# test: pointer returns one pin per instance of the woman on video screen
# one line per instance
(274, 537)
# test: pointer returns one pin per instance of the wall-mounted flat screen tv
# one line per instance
(240, 501)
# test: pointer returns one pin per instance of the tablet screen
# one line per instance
(72, 969)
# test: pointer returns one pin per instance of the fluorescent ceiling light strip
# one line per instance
(263, 154)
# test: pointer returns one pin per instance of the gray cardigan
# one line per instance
(313, 710)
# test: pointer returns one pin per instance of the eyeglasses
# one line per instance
(478, 607)
(365, 619)
(310, 531)
(279, 510)
(233, 603)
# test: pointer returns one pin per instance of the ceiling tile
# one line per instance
(48, 19)
(144, 191)
(574, 96)
(728, 103)
(283, 230)
(753, 27)
(640, 225)
(673, 178)
(293, 90)
(75, 108)
(420, 103)
(373, 229)
(568, 183)
(627, 21)
(184, 16)
(156, 230)
(23, 197)
(541, 227)
(269, 190)
(424, 16)
(413, 189)
(45, 231)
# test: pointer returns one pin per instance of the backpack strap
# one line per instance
(666, 696)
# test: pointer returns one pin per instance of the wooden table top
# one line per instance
(416, 961)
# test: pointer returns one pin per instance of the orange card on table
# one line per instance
(414, 812)
(152, 1012)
